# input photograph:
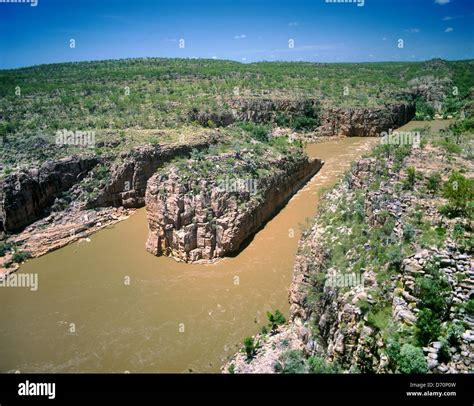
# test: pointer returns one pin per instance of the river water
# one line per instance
(109, 306)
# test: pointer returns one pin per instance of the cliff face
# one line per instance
(267, 110)
(334, 121)
(364, 122)
(213, 222)
(129, 176)
(25, 196)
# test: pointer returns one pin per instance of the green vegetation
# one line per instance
(411, 360)
(294, 362)
(4, 248)
(250, 347)
(276, 319)
(133, 101)
(20, 256)
(459, 190)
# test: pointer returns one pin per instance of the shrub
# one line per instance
(249, 347)
(428, 326)
(433, 182)
(258, 132)
(20, 256)
(454, 333)
(431, 292)
(293, 363)
(4, 248)
(411, 360)
(470, 307)
(460, 192)
(318, 365)
(275, 319)
(424, 111)
(409, 233)
(444, 355)
(409, 182)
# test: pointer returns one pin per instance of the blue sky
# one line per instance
(242, 30)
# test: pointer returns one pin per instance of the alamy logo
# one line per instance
(20, 280)
(33, 3)
(78, 138)
(400, 138)
(37, 389)
(360, 3)
(238, 185)
(345, 280)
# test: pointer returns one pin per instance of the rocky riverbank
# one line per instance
(384, 279)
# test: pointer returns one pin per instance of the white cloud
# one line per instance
(413, 30)
(449, 29)
(442, 2)
(448, 18)
(293, 24)
(240, 36)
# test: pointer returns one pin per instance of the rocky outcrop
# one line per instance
(202, 220)
(268, 110)
(333, 121)
(364, 122)
(129, 175)
(27, 195)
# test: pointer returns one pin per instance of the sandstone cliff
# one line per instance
(364, 122)
(129, 174)
(26, 196)
(199, 219)
(328, 121)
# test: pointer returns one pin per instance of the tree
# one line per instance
(411, 360)
(249, 347)
(429, 326)
(459, 191)
(275, 319)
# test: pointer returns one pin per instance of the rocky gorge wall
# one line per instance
(26, 195)
(364, 122)
(333, 121)
(331, 320)
(129, 174)
(215, 222)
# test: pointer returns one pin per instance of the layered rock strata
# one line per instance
(203, 220)
(26, 196)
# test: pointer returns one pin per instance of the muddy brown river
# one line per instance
(109, 306)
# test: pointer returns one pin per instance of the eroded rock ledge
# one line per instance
(195, 220)
(24, 196)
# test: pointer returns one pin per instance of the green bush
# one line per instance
(292, 362)
(409, 233)
(20, 256)
(428, 327)
(258, 132)
(4, 248)
(276, 319)
(470, 307)
(433, 182)
(424, 111)
(409, 182)
(411, 360)
(249, 347)
(454, 333)
(460, 192)
(318, 365)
